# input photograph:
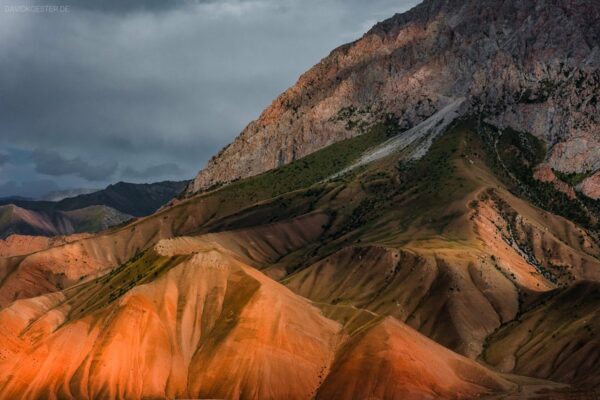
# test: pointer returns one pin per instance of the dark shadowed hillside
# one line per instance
(87, 212)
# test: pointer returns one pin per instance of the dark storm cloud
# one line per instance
(153, 172)
(111, 6)
(52, 163)
(30, 189)
(126, 5)
(145, 83)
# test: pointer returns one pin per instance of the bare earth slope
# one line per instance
(392, 361)
(557, 339)
(199, 331)
(17, 245)
(209, 327)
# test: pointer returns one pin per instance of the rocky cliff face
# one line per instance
(591, 186)
(528, 64)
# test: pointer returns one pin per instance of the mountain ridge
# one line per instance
(513, 62)
(88, 212)
(15, 220)
(136, 199)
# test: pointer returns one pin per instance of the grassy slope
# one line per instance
(100, 292)
(390, 202)
(5, 216)
(307, 171)
(288, 191)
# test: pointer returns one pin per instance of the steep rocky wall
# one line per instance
(531, 65)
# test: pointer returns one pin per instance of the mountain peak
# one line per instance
(528, 65)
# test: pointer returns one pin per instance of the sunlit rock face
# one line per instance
(591, 186)
(529, 65)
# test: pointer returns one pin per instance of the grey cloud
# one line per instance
(113, 6)
(169, 86)
(153, 172)
(31, 189)
(52, 163)
(125, 7)
(4, 158)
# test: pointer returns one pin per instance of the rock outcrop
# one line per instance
(591, 186)
(530, 65)
(544, 173)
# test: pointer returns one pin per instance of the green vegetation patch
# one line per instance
(140, 269)
(392, 202)
(513, 156)
(90, 220)
(5, 216)
(574, 178)
(303, 173)
(315, 167)
(410, 191)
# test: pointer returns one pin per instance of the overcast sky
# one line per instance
(101, 91)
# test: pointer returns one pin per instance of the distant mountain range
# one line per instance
(90, 212)
(17, 220)
(15, 198)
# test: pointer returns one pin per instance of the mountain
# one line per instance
(137, 199)
(530, 66)
(446, 257)
(89, 212)
(17, 220)
(289, 285)
(131, 198)
(14, 198)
